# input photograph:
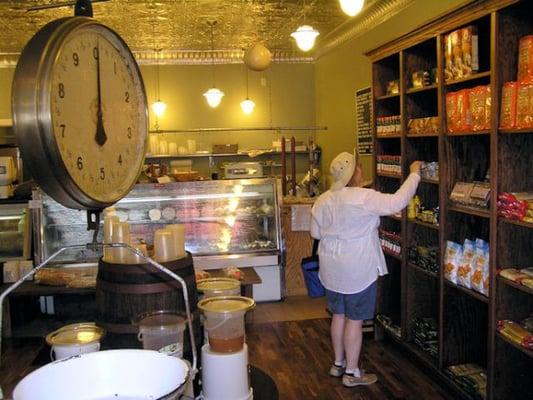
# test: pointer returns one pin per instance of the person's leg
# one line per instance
(353, 341)
(337, 337)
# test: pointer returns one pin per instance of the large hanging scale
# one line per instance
(79, 112)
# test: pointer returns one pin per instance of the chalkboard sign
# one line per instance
(363, 110)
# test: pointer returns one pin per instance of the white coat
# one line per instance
(346, 222)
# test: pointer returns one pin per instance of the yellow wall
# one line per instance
(344, 70)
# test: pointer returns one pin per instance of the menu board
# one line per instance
(363, 110)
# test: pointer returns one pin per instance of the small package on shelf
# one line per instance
(465, 270)
(461, 192)
(420, 79)
(471, 377)
(425, 332)
(524, 105)
(452, 118)
(389, 164)
(516, 333)
(429, 170)
(469, 50)
(510, 207)
(452, 259)
(480, 277)
(426, 125)
(508, 105)
(525, 58)
(480, 103)
(480, 195)
(512, 274)
(452, 55)
(393, 87)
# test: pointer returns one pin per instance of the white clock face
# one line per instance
(98, 113)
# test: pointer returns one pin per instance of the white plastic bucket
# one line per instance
(160, 329)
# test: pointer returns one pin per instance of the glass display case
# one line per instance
(227, 223)
(15, 231)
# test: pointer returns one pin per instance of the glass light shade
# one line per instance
(352, 7)
(247, 106)
(305, 37)
(159, 108)
(214, 97)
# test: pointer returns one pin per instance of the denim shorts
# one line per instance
(356, 306)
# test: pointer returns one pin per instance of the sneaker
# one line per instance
(365, 379)
(336, 371)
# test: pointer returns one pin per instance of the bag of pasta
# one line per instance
(465, 270)
(452, 259)
(480, 278)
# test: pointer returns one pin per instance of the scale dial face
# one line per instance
(91, 118)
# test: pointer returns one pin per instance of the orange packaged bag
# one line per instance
(469, 50)
(525, 58)
(524, 109)
(451, 112)
(508, 105)
(464, 112)
(480, 103)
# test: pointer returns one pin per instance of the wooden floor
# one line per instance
(290, 342)
(297, 355)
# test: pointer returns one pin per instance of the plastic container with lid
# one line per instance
(224, 321)
(162, 328)
(74, 339)
(213, 287)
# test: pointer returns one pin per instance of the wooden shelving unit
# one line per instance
(466, 319)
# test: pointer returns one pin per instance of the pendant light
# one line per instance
(213, 95)
(352, 7)
(247, 105)
(158, 107)
(305, 35)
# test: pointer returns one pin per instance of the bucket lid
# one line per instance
(161, 318)
(226, 304)
(75, 334)
(216, 284)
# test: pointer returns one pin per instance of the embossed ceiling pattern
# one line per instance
(180, 27)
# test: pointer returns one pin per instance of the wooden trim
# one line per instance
(447, 21)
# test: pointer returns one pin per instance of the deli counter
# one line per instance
(227, 223)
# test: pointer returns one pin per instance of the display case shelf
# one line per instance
(527, 352)
(422, 89)
(431, 181)
(388, 175)
(391, 254)
(467, 79)
(422, 223)
(469, 210)
(517, 286)
(388, 97)
(395, 136)
(470, 133)
(518, 223)
(422, 270)
(514, 131)
(470, 292)
(421, 135)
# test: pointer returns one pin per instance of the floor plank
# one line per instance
(298, 354)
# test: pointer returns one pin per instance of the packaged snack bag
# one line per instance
(465, 270)
(480, 101)
(480, 278)
(525, 58)
(457, 54)
(452, 119)
(508, 105)
(448, 58)
(524, 109)
(488, 108)
(469, 50)
(452, 259)
(463, 111)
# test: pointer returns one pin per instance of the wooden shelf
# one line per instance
(391, 254)
(30, 288)
(473, 77)
(470, 133)
(388, 175)
(470, 292)
(422, 223)
(527, 352)
(518, 286)
(200, 155)
(394, 217)
(515, 222)
(422, 89)
(388, 97)
(395, 136)
(390, 332)
(432, 181)
(421, 135)
(422, 270)
(422, 356)
(512, 131)
(470, 211)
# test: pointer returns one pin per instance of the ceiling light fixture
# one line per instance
(158, 107)
(352, 7)
(247, 105)
(213, 95)
(305, 35)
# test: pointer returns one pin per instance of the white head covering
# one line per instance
(341, 169)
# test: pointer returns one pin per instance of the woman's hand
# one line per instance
(415, 167)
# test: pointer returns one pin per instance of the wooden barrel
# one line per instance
(123, 292)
